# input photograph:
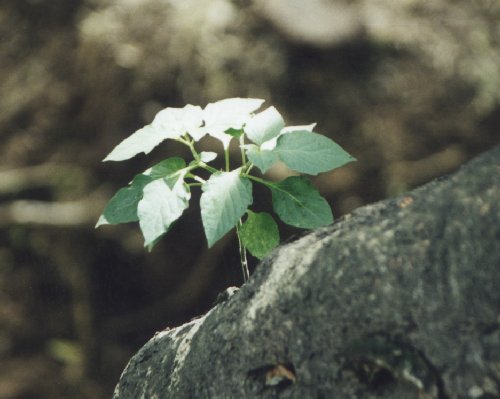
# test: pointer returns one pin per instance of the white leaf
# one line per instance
(264, 126)
(207, 156)
(231, 113)
(143, 140)
(173, 123)
(163, 202)
(170, 123)
(226, 197)
(308, 128)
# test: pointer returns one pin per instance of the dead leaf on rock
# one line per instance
(279, 374)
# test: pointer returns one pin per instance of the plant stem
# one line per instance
(197, 178)
(208, 167)
(242, 143)
(190, 143)
(249, 168)
(259, 180)
(243, 254)
(226, 156)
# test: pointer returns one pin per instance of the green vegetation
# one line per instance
(157, 197)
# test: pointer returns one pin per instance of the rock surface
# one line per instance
(400, 299)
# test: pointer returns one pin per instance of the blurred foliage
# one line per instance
(409, 88)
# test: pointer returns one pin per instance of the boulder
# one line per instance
(399, 299)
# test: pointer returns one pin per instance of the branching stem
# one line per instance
(190, 143)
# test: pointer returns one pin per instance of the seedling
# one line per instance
(157, 197)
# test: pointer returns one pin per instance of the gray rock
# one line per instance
(400, 299)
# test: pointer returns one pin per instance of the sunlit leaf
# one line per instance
(264, 126)
(231, 113)
(207, 156)
(143, 140)
(307, 128)
(170, 123)
(162, 204)
(173, 123)
(226, 197)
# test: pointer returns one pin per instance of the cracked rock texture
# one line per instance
(400, 299)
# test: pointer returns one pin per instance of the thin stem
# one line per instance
(208, 167)
(249, 168)
(243, 254)
(259, 180)
(197, 178)
(242, 143)
(226, 156)
(190, 143)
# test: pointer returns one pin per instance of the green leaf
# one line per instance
(299, 204)
(259, 234)
(236, 133)
(122, 207)
(264, 126)
(166, 167)
(162, 204)
(231, 113)
(263, 159)
(225, 198)
(310, 153)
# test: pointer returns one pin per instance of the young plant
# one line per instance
(157, 197)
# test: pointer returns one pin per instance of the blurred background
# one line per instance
(410, 88)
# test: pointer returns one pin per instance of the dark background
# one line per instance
(411, 89)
